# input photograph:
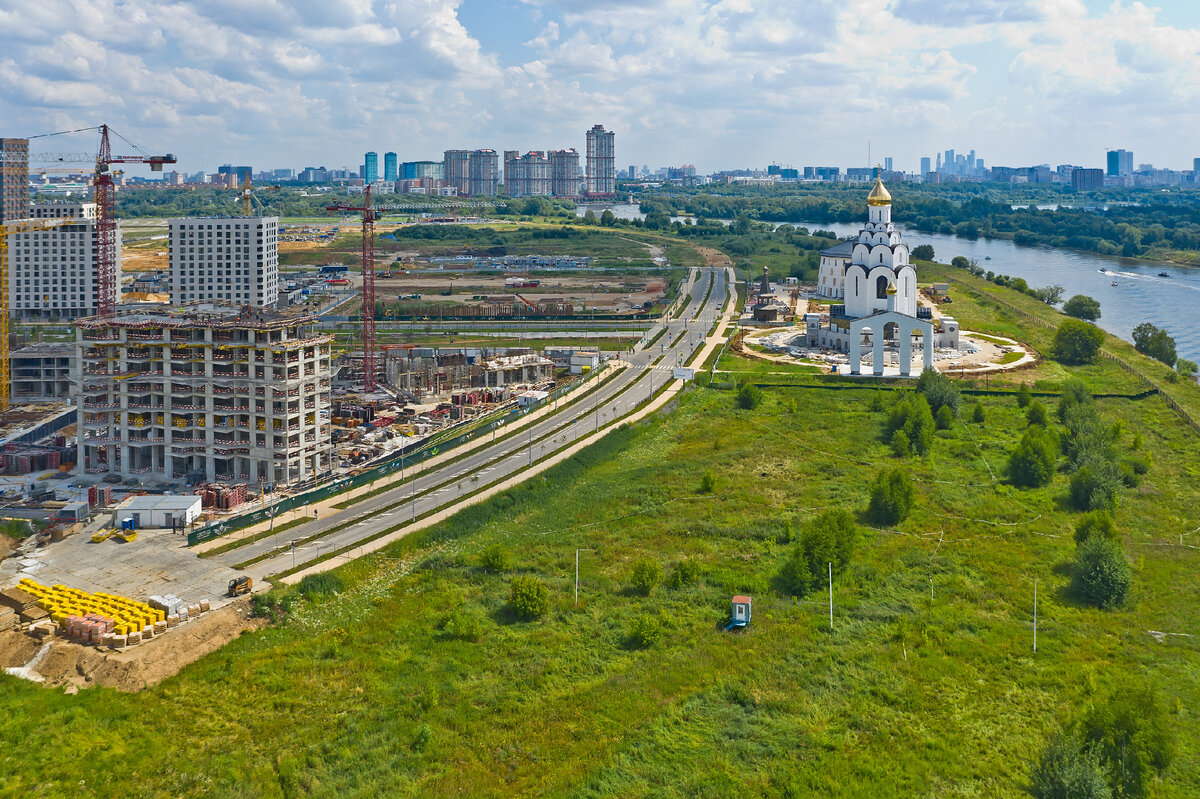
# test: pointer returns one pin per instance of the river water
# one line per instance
(1139, 295)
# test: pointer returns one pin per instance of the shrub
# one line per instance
(1074, 392)
(1185, 367)
(321, 584)
(1069, 769)
(685, 572)
(830, 537)
(891, 497)
(644, 631)
(1129, 730)
(1094, 486)
(943, 419)
(646, 574)
(977, 415)
(1082, 306)
(1155, 342)
(1036, 415)
(1102, 572)
(749, 397)
(901, 446)
(1031, 463)
(1096, 522)
(1077, 342)
(464, 625)
(912, 415)
(708, 483)
(495, 559)
(529, 597)
(422, 738)
(923, 252)
(1024, 395)
(939, 391)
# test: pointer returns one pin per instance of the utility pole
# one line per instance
(1035, 615)
(831, 595)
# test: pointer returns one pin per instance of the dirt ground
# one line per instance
(7, 545)
(74, 666)
(714, 257)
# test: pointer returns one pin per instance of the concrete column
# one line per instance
(877, 350)
(928, 360)
(855, 351)
(905, 336)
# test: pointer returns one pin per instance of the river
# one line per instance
(1139, 296)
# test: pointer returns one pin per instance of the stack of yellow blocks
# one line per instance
(61, 601)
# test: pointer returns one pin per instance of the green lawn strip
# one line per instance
(657, 336)
(704, 302)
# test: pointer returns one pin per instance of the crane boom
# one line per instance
(8, 229)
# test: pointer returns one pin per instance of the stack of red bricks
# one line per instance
(88, 628)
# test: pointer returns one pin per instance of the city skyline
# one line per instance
(718, 84)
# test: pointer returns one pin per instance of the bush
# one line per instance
(422, 738)
(685, 572)
(1102, 572)
(1082, 306)
(1095, 522)
(464, 625)
(1077, 342)
(830, 537)
(1094, 486)
(1154, 341)
(495, 559)
(749, 397)
(912, 415)
(901, 446)
(708, 483)
(322, 584)
(1185, 367)
(1129, 730)
(644, 631)
(977, 415)
(529, 597)
(1031, 463)
(891, 497)
(923, 252)
(943, 419)
(646, 574)
(1024, 395)
(1074, 393)
(1036, 415)
(939, 391)
(1069, 769)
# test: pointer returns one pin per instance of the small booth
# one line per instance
(741, 612)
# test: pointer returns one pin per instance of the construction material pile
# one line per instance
(222, 497)
(99, 496)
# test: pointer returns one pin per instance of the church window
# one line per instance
(881, 284)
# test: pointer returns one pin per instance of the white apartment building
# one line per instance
(52, 273)
(235, 259)
(204, 392)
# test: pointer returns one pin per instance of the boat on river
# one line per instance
(1163, 274)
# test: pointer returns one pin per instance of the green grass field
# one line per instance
(362, 695)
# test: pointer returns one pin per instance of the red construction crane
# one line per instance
(369, 216)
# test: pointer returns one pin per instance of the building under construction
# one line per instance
(424, 373)
(204, 392)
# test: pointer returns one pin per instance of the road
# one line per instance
(648, 371)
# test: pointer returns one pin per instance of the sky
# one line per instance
(715, 83)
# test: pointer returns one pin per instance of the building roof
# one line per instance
(161, 502)
(843, 249)
(741, 599)
(879, 195)
(58, 349)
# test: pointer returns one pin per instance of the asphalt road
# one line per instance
(432, 489)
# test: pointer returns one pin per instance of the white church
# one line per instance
(878, 287)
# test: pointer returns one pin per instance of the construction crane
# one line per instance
(8, 229)
(247, 195)
(370, 215)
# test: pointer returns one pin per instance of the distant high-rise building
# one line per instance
(14, 179)
(601, 161)
(242, 174)
(390, 172)
(949, 162)
(1087, 179)
(1120, 163)
(939, 162)
(887, 163)
(482, 173)
(527, 175)
(564, 173)
(370, 170)
(926, 163)
(971, 160)
(1196, 166)
(415, 170)
(53, 272)
(455, 169)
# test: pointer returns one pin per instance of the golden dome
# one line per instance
(891, 289)
(879, 195)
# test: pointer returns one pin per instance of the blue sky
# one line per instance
(715, 83)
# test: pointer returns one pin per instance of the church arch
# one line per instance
(881, 284)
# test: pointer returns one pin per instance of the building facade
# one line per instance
(370, 172)
(1087, 179)
(14, 179)
(527, 175)
(203, 393)
(483, 173)
(416, 170)
(52, 273)
(601, 162)
(455, 168)
(42, 372)
(564, 173)
(390, 171)
(225, 258)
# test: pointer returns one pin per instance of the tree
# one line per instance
(707, 483)
(645, 575)
(749, 396)
(939, 391)
(1154, 341)
(912, 417)
(923, 252)
(1024, 395)
(1082, 306)
(1051, 295)
(830, 537)
(1036, 415)
(943, 419)
(589, 218)
(1074, 393)
(529, 597)
(891, 497)
(1102, 572)
(1070, 769)
(960, 262)
(608, 219)
(1129, 729)
(1031, 463)
(901, 446)
(1094, 486)
(977, 415)
(1077, 342)
(1185, 367)
(1096, 522)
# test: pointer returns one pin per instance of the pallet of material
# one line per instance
(17, 599)
(8, 619)
(33, 614)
